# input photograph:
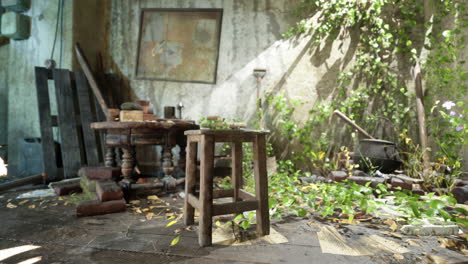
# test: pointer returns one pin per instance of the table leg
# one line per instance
(110, 157)
(167, 165)
(127, 164)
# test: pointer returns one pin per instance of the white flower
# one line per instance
(448, 105)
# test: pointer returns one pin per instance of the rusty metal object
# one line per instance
(349, 121)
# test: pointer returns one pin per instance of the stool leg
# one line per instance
(236, 155)
(261, 185)
(206, 190)
(190, 182)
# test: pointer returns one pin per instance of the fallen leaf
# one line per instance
(393, 225)
(11, 206)
(398, 256)
(32, 206)
(152, 197)
(189, 228)
(149, 216)
(412, 242)
(138, 211)
(179, 230)
(171, 223)
(54, 204)
(145, 209)
(23, 202)
(175, 241)
(135, 202)
(9, 200)
(66, 203)
(391, 234)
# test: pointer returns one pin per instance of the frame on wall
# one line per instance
(180, 45)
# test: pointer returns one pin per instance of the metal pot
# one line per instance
(380, 154)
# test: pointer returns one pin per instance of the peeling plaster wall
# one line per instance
(19, 65)
(250, 38)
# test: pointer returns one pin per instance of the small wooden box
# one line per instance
(131, 116)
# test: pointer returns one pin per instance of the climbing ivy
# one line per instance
(375, 90)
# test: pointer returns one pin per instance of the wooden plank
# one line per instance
(92, 81)
(86, 116)
(194, 201)
(234, 207)
(206, 190)
(261, 185)
(246, 196)
(67, 123)
(45, 120)
(236, 153)
(223, 193)
(190, 181)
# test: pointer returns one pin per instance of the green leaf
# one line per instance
(451, 200)
(415, 209)
(301, 212)
(445, 215)
(239, 217)
(175, 241)
(461, 210)
(436, 204)
(245, 224)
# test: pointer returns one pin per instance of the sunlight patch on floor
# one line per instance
(9, 252)
(3, 168)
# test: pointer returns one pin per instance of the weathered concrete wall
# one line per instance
(250, 38)
(4, 52)
(19, 67)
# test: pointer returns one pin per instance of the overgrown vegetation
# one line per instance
(374, 91)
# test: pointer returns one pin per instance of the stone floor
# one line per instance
(130, 237)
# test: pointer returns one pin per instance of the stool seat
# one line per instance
(242, 200)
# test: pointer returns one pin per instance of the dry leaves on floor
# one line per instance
(392, 224)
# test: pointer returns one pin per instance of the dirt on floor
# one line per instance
(46, 230)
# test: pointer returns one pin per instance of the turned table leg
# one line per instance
(110, 157)
(127, 164)
(167, 165)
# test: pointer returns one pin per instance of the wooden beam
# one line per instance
(234, 207)
(92, 81)
(246, 196)
(223, 193)
(194, 201)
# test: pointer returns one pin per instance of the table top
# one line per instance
(225, 132)
(157, 124)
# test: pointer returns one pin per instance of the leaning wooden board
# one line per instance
(74, 114)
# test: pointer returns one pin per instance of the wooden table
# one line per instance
(127, 135)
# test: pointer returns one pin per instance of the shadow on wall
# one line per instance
(323, 55)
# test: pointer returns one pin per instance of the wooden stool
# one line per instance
(242, 200)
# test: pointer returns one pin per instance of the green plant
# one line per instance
(374, 87)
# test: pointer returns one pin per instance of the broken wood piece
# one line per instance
(99, 208)
(92, 81)
(35, 179)
(148, 117)
(100, 173)
(68, 189)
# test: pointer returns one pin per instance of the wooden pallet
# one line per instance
(79, 144)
